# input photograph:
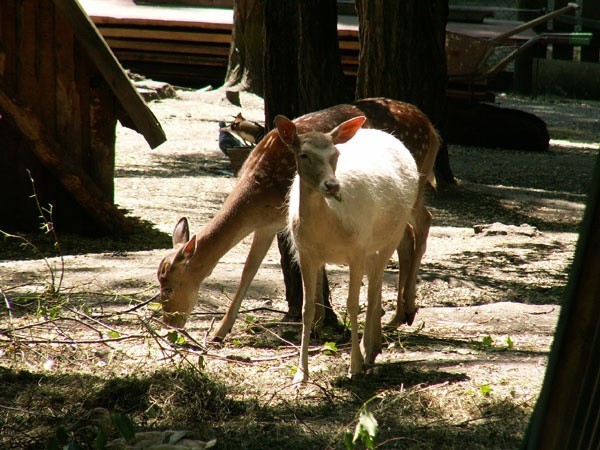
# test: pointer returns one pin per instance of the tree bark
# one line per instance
(402, 56)
(245, 68)
(303, 73)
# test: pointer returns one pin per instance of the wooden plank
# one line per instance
(349, 45)
(84, 72)
(170, 58)
(167, 47)
(45, 42)
(156, 34)
(26, 80)
(95, 46)
(67, 95)
(129, 13)
(102, 138)
(202, 3)
(8, 54)
(100, 20)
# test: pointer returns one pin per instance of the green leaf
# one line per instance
(329, 348)
(509, 343)
(485, 390)
(114, 334)
(100, 441)
(348, 440)
(366, 429)
(487, 341)
(62, 436)
(175, 338)
(125, 426)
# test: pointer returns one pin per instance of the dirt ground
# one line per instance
(488, 300)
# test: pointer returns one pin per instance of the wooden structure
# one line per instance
(61, 93)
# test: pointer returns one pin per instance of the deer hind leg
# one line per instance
(410, 252)
(371, 341)
(261, 243)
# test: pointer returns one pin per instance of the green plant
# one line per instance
(53, 287)
(487, 343)
(329, 348)
(365, 431)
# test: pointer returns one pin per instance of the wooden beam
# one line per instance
(72, 177)
(99, 52)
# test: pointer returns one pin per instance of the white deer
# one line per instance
(349, 204)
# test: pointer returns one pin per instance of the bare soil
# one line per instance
(74, 337)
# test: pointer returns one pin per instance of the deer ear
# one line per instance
(287, 130)
(181, 233)
(346, 130)
(187, 251)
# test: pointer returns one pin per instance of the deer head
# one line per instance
(316, 154)
(178, 282)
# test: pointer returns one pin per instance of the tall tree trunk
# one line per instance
(402, 56)
(321, 81)
(303, 73)
(245, 68)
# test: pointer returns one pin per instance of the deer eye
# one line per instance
(303, 156)
(166, 292)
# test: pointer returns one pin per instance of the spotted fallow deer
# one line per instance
(257, 205)
(349, 204)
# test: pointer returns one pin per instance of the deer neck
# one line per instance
(312, 205)
(244, 211)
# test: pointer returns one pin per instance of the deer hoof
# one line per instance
(300, 377)
(410, 318)
(216, 339)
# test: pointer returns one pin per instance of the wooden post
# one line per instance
(523, 75)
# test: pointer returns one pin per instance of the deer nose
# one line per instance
(331, 187)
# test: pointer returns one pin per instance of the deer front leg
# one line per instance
(310, 272)
(352, 306)
(261, 243)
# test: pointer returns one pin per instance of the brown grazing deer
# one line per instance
(257, 205)
(349, 204)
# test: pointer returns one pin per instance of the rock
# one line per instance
(497, 228)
